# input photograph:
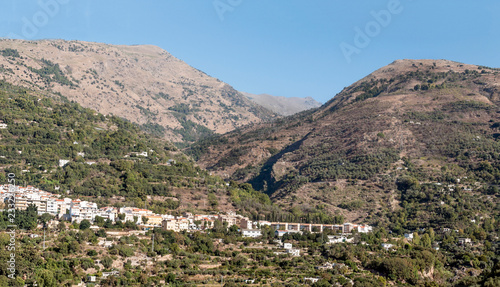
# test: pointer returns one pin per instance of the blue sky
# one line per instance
(285, 48)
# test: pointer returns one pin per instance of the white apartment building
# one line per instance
(81, 210)
(108, 212)
(176, 225)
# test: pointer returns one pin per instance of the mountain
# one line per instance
(143, 84)
(398, 135)
(282, 105)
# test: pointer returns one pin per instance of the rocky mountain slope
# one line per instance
(281, 105)
(143, 84)
(432, 121)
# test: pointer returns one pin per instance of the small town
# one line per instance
(76, 210)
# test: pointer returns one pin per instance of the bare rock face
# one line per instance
(143, 84)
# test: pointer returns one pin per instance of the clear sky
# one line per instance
(285, 48)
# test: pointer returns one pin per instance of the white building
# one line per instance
(81, 210)
(333, 239)
(387, 246)
(52, 207)
(311, 279)
(365, 228)
(294, 252)
(108, 212)
(63, 162)
(176, 225)
(251, 233)
(463, 241)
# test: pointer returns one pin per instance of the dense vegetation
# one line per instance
(74, 251)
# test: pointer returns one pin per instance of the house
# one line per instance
(326, 266)
(176, 225)
(3, 126)
(280, 233)
(463, 241)
(169, 224)
(230, 219)
(332, 239)
(106, 244)
(246, 223)
(91, 279)
(112, 273)
(311, 279)
(80, 210)
(365, 228)
(409, 236)
(206, 223)
(183, 224)
(108, 212)
(251, 233)
(287, 246)
(387, 246)
(293, 252)
(63, 162)
(154, 220)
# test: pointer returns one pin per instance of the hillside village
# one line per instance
(76, 210)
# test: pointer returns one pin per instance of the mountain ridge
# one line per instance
(282, 105)
(141, 83)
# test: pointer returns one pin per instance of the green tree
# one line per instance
(107, 262)
(45, 218)
(45, 278)
(85, 224)
(416, 238)
(27, 219)
(99, 221)
(426, 241)
(212, 200)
